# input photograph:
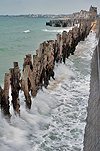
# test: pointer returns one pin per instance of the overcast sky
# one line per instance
(9, 7)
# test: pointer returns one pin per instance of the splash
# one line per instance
(57, 30)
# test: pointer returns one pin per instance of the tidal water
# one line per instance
(57, 118)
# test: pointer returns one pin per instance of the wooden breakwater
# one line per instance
(37, 74)
(92, 130)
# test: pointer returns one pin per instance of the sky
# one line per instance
(18, 7)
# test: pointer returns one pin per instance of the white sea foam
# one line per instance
(26, 31)
(57, 30)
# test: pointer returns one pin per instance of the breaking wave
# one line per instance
(26, 31)
(57, 30)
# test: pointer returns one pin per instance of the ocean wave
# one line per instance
(57, 31)
(26, 31)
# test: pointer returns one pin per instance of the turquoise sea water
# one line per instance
(21, 36)
(15, 43)
(56, 120)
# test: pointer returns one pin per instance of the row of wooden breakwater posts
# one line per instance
(37, 74)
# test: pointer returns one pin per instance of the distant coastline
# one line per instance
(83, 14)
(38, 16)
(61, 16)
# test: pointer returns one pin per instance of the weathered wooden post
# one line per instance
(59, 49)
(64, 45)
(5, 96)
(25, 85)
(15, 87)
(1, 94)
(28, 61)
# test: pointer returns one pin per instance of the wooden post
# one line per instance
(25, 85)
(28, 61)
(15, 87)
(1, 93)
(5, 96)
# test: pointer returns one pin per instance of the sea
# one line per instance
(57, 118)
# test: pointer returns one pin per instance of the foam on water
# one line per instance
(59, 30)
(26, 31)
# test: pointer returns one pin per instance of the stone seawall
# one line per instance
(37, 74)
(92, 130)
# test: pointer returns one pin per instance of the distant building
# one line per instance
(75, 15)
(93, 12)
(84, 14)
